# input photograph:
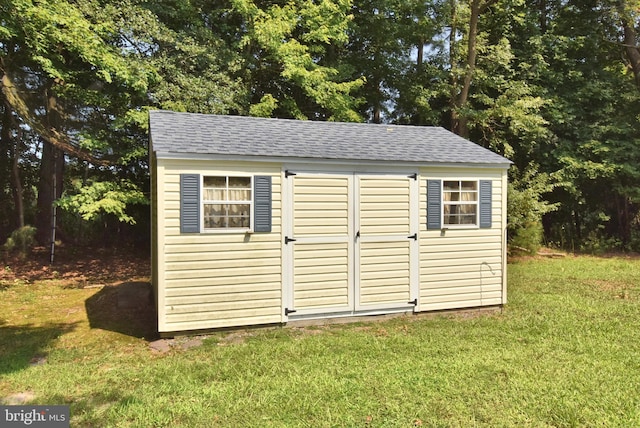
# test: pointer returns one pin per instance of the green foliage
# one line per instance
(599, 243)
(551, 85)
(526, 206)
(265, 107)
(92, 199)
(527, 239)
(21, 241)
(58, 30)
(289, 48)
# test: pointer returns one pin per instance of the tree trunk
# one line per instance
(51, 176)
(631, 47)
(51, 168)
(16, 182)
(377, 102)
(453, 67)
(459, 122)
(543, 16)
(624, 218)
(6, 153)
(14, 151)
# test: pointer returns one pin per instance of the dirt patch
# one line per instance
(18, 398)
(184, 343)
(235, 338)
(78, 267)
(619, 289)
(124, 300)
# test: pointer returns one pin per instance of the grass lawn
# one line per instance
(565, 352)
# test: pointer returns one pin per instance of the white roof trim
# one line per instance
(317, 161)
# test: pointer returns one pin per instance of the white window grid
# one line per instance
(460, 202)
(226, 205)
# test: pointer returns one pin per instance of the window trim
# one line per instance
(444, 225)
(251, 204)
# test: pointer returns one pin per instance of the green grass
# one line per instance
(565, 352)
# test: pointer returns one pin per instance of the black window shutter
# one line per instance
(434, 202)
(485, 203)
(262, 203)
(189, 203)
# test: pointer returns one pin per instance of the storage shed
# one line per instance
(260, 221)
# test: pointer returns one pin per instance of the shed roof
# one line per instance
(174, 134)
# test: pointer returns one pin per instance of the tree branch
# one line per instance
(48, 134)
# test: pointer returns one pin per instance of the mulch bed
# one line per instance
(78, 265)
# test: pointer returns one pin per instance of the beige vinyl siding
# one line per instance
(321, 206)
(320, 260)
(321, 276)
(463, 267)
(221, 278)
(384, 206)
(384, 274)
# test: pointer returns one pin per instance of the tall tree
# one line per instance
(289, 52)
(592, 117)
(628, 11)
(56, 57)
(462, 74)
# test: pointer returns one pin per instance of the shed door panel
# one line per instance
(321, 277)
(383, 259)
(384, 274)
(321, 228)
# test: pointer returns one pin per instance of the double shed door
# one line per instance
(350, 243)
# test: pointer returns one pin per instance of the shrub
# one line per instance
(526, 207)
(21, 241)
(527, 239)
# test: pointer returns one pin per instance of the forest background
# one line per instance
(552, 85)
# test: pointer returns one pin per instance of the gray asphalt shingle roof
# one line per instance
(207, 134)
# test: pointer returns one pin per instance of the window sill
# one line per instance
(460, 227)
(221, 231)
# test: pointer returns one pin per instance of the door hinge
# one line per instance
(414, 302)
(414, 237)
(288, 311)
(288, 173)
(287, 240)
(358, 235)
(414, 176)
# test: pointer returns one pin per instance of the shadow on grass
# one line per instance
(125, 308)
(93, 409)
(23, 346)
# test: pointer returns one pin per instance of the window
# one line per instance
(226, 202)
(460, 202)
